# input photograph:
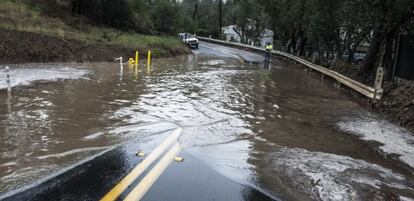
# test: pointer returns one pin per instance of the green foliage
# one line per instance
(248, 15)
(334, 26)
(328, 26)
(18, 15)
(166, 16)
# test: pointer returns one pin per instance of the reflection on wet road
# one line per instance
(255, 133)
(222, 51)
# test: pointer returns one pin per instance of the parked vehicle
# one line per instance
(189, 40)
(359, 57)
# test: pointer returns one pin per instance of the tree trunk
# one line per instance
(339, 48)
(195, 13)
(220, 18)
(80, 5)
(372, 55)
(387, 59)
(351, 54)
(243, 33)
(302, 46)
(74, 7)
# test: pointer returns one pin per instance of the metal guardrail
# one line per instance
(359, 87)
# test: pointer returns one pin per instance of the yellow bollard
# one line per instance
(136, 63)
(136, 58)
(149, 62)
(149, 57)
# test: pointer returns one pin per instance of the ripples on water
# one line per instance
(394, 140)
(274, 130)
(334, 177)
(25, 76)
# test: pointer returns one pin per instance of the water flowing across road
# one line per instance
(280, 130)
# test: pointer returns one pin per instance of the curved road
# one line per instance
(192, 179)
(223, 51)
(207, 126)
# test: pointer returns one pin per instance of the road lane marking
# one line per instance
(139, 191)
(141, 167)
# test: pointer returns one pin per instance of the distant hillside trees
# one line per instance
(337, 25)
(330, 27)
(143, 16)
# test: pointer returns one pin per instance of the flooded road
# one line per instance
(281, 131)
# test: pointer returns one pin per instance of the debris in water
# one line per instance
(141, 154)
(179, 159)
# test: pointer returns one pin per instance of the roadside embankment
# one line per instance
(28, 35)
(22, 47)
(398, 103)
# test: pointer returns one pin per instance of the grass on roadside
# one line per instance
(17, 15)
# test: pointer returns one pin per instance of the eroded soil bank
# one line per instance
(398, 103)
(25, 47)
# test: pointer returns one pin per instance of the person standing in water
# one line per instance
(269, 48)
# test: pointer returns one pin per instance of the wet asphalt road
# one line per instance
(193, 179)
(72, 132)
(92, 179)
(223, 51)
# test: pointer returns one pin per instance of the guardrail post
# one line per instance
(378, 81)
(378, 78)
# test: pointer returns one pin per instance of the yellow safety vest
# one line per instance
(269, 47)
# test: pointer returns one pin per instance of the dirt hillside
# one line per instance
(398, 103)
(21, 47)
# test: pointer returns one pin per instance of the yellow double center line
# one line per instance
(139, 191)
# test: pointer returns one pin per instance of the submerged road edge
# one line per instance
(139, 191)
(141, 167)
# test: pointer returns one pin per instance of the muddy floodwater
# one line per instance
(279, 130)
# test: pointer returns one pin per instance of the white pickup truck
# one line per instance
(189, 40)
